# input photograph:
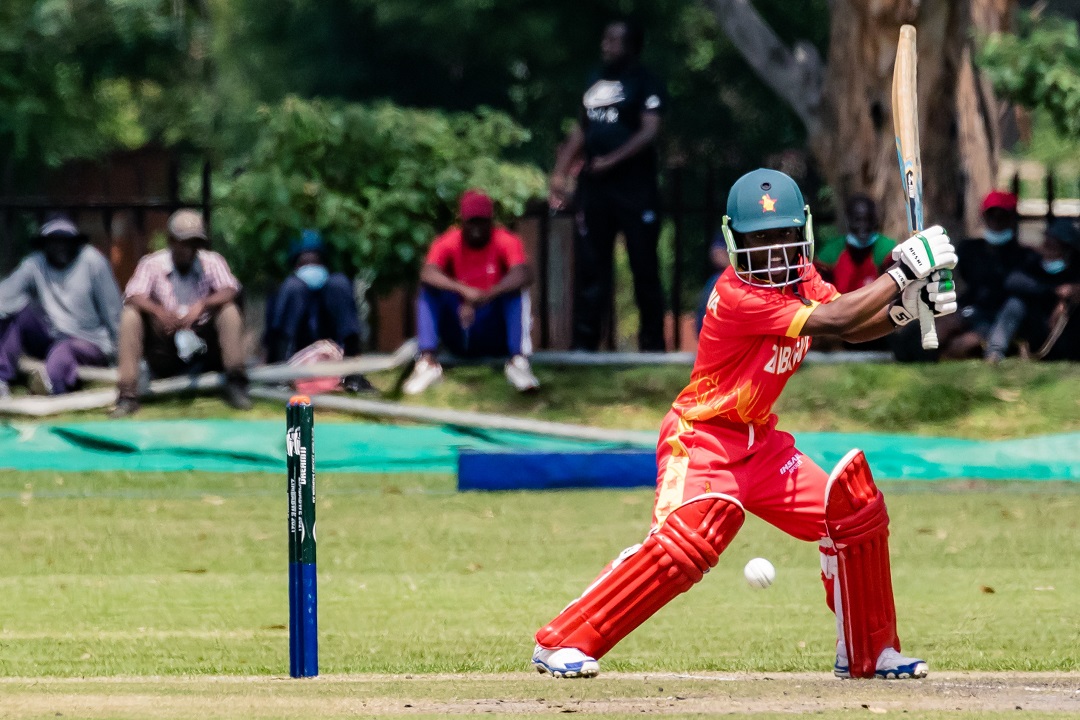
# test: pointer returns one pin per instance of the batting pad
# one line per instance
(556, 470)
(646, 577)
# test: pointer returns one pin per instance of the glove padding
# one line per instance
(921, 254)
(938, 291)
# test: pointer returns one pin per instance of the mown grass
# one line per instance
(115, 574)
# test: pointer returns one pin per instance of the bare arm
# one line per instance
(434, 277)
(879, 325)
(167, 320)
(643, 138)
(515, 279)
(569, 152)
(848, 313)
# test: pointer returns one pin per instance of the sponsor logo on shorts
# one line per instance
(793, 463)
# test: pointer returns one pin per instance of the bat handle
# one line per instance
(926, 327)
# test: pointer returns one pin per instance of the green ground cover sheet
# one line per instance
(231, 445)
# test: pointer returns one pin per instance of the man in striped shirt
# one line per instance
(180, 313)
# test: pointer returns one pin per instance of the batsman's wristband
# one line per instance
(902, 274)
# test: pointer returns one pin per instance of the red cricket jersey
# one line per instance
(482, 268)
(749, 347)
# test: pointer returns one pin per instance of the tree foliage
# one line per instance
(1039, 68)
(76, 75)
(380, 181)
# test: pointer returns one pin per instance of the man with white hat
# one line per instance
(61, 305)
(180, 313)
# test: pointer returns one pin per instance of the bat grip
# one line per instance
(926, 326)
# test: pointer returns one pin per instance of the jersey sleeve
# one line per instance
(440, 252)
(511, 249)
(653, 95)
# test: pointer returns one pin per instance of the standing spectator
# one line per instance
(474, 298)
(858, 258)
(180, 312)
(313, 304)
(1047, 288)
(61, 305)
(983, 266)
(617, 187)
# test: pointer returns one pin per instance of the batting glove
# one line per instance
(921, 254)
(937, 291)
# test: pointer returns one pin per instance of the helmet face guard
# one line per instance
(759, 266)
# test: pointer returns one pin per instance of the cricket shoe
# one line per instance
(520, 374)
(564, 663)
(891, 665)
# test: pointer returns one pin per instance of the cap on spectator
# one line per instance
(309, 241)
(475, 204)
(999, 199)
(187, 225)
(60, 226)
(1065, 231)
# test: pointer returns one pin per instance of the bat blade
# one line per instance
(905, 104)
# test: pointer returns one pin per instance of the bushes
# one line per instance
(378, 180)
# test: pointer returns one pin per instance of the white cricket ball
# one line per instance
(760, 573)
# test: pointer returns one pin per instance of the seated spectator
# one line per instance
(718, 259)
(180, 313)
(982, 266)
(1047, 288)
(61, 305)
(473, 298)
(313, 304)
(858, 258)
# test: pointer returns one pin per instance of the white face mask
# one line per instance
(314, 276)
(998, 237)
(1053, 267)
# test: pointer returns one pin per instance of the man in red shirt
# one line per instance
(861, 256)
(721, 455)
(473, 298)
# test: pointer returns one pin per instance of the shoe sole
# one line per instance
(918, 671)
(588, 670)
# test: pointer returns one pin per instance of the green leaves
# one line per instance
(379, 181)
(1039, 68)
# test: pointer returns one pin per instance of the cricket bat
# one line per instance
(905, 107)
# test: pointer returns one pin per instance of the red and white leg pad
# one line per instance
(855, 564)
(647, 577)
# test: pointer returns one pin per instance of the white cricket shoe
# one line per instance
(564, 663)
(891, 665)
(425, 373)
(520, 374)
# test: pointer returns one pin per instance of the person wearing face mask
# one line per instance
(984, 264)
(474, 298)
(181, 315)
(313, 304)
(1049, 285)
(61, 305)
(858, 258)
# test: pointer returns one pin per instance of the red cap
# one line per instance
(475, 204)
(999, 199)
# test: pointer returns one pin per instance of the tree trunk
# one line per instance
(848, 116)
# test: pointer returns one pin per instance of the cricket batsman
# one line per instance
(720, 454)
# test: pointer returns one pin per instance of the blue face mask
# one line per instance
(1053, 267)
(314, 276)
(998, 237)
(855, 242)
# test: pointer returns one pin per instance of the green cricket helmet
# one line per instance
(765, 200)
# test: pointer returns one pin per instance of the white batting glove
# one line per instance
(937, 291)
(921, 254)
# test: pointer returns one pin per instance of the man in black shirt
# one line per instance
(615, 142)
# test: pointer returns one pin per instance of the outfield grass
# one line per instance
(110, 574)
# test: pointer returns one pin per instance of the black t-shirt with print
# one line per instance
(611, 112)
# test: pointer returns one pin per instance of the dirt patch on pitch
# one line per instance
(520, 694)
